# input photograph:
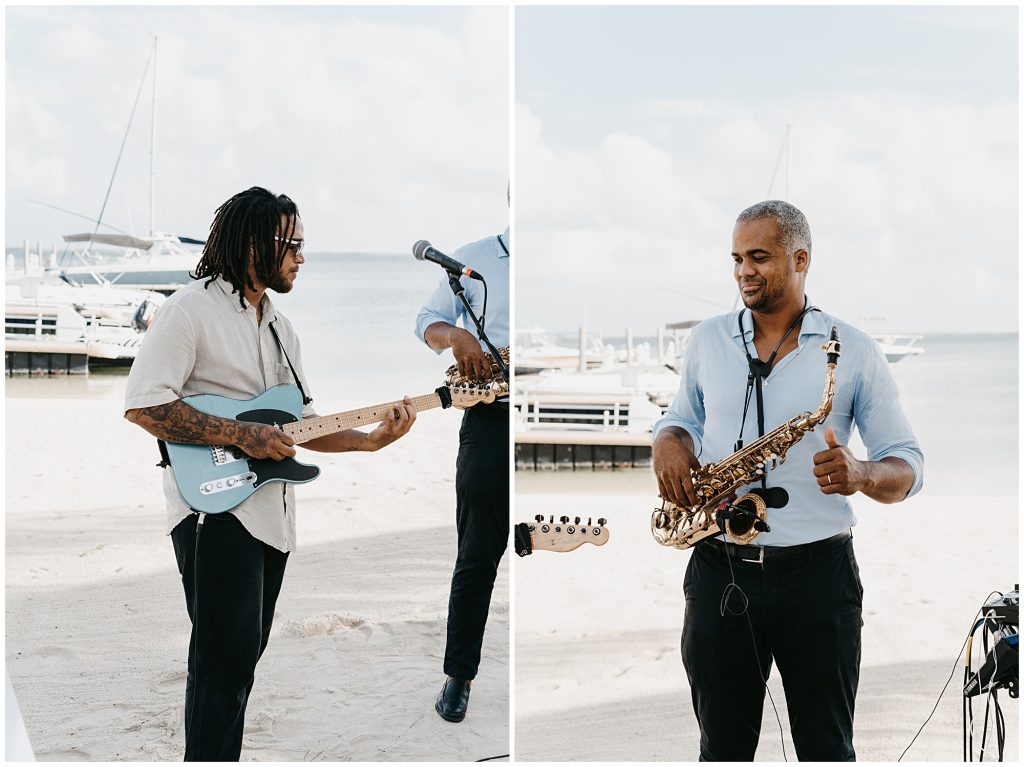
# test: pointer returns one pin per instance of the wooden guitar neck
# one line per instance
(312, 428)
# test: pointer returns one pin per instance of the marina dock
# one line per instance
(581, 450)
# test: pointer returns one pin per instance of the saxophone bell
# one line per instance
(744, 519)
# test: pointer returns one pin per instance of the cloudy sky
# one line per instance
(386, 125)
(642, 132)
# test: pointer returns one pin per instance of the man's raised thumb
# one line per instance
(830, 437)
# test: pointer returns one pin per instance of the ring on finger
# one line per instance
(829, 478)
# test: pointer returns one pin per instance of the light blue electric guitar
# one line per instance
(216, 478)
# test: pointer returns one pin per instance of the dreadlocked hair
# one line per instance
(247, 223)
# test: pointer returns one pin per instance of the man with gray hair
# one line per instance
(795, 597)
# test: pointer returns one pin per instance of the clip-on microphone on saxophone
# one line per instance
(730, 511)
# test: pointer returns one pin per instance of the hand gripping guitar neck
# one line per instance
(681, 527)
(216, 478)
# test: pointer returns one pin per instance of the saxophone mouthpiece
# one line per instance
(833, 348)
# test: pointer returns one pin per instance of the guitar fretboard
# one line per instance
(311, 428)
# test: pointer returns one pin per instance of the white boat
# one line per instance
(624, 395)
(537, 351)
(897, 346)
(159, 262)
(51, 326)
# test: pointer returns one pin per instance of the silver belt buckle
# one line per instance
(760, 557)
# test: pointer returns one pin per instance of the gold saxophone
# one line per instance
(493, 386)
(682, 527)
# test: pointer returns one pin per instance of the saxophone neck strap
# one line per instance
(759, 370)
(762, 368)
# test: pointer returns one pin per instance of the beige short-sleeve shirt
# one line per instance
(203, 341)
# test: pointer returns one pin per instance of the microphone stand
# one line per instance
(458, 290)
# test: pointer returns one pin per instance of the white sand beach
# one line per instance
(96, 628)
(598, 669)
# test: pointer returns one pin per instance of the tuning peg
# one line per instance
(539, 518)
(563, 520)
(552, 519)
(590, 521)
(577, 521)
(602, 521)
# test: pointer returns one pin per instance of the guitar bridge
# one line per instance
(223, 454)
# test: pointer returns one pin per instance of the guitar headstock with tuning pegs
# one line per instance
(565, 534)
(465, 393)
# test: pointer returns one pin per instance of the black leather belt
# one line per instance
(761, 554)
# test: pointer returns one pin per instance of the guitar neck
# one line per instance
(312, 428)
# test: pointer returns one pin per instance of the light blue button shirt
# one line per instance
(488, 257)
(709, 406)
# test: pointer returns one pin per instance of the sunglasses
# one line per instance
(298, 245)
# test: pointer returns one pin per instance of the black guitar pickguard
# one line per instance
(267, 469)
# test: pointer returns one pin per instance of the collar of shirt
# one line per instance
(813, 324)
(507, 241)
(269, 313)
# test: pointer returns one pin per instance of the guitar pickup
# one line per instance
(223, 454)
(228, 483)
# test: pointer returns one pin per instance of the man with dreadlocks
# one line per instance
(222, 335)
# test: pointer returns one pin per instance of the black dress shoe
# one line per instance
(452, 700)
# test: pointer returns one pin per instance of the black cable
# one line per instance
(195, 589)
(483, 314)
(955, 664)
(492, 758)
(984, 726)
(970, 633)
(723, 607)
(1000, 729)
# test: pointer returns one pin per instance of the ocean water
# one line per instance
(355, 315)
(962, 398)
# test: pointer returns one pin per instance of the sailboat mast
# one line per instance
(152, 151)
(788, 126)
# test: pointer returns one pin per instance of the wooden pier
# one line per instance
(566, 450)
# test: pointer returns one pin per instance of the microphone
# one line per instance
(424, 251)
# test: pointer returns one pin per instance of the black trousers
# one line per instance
(231, 583)
(481, 519)
(805, 614)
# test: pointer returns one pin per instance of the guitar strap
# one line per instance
(524, 545)
(305, 400)
(165, 459)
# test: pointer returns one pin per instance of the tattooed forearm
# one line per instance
(178, 422)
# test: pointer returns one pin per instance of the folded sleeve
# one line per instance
(164, 361)
(687, 409)
(442, 306)
(883, 427)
